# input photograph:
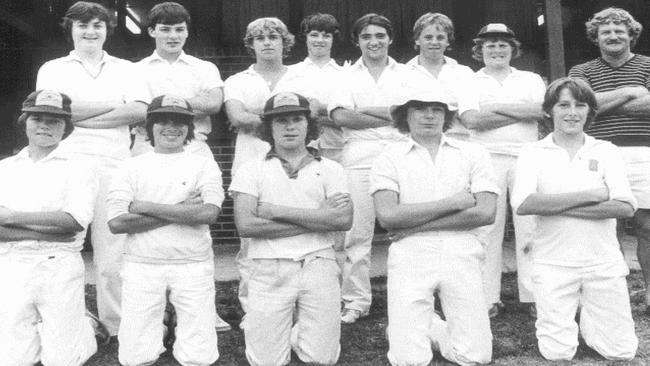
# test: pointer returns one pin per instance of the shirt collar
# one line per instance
(57, 153)
(331, 63)
(359, 65)
(73, 56)
(548, 143)
(514, 73)
(313, 155)
(444, 140)
(155, 56)
(415, 61)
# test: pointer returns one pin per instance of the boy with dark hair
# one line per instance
(320, 32)
(46, 204)
(169, 249)
(288, 202)
(170, 70)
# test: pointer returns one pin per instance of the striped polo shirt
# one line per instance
(620, 129)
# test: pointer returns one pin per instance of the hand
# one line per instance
(463, 200)
(137, 207)
(5, 215)
(338, 200)
(634, 92)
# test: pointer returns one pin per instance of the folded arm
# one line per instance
(344, 117)
(207, 103)
(611, 101)
(335, 214)
(9, 233)
(85, 110)
(240, 117)
(500, 115)
(124, 115)
(180, 213)
(250, 225)
(58, 219)
(481, 214)
(603, 210)
(547, 204)
(393, 215)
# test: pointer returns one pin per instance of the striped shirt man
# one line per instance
(620, 129)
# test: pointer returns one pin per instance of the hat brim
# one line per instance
(496, 35)
(47, 109)
(286, 109)
(396, 109)
(171, 110)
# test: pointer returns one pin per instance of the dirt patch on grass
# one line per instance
(364, 342)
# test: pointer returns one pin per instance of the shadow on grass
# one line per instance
(364, 343)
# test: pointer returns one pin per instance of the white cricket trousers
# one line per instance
(49, 288)
(107, 250)
(280, 289)
(417, 267)
(504, 169)
(356, 292)
(191, 291)
(606, 322)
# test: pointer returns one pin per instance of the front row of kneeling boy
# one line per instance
(431, 192)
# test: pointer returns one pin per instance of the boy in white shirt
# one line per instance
(164, 200)
(46, 203)
(288, 203)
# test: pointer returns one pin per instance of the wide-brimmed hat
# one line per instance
(423, 97)
(47, 101)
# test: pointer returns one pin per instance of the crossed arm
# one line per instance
(493, 116)
(632, 100)
(240, 117)
(457, 212)
(258, 219)
(56, 226)
(145, 215)
(365, 118)
(105, 115)
(207, 103)
(588, 204)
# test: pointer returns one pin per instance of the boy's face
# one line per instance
(89, 36)
(374, 42)
(289, 130)
(169, 135)
(319, 43)
(426, 120)
(170, 38)
(268, 45)
(44, 130)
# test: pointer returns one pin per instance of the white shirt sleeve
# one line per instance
(121, 192)
(135, 85)
(212, 77)
(383, 175)
(245, 180)
(616, 177)
(482, 178)
(210, 183)
(81, 191)
(336, 179)
(343, 97)
(525, 177)
(234, 89)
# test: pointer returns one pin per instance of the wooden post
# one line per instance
(555, 39)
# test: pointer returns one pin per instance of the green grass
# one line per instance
(363, 343)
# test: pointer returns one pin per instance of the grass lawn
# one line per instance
(363, 343)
